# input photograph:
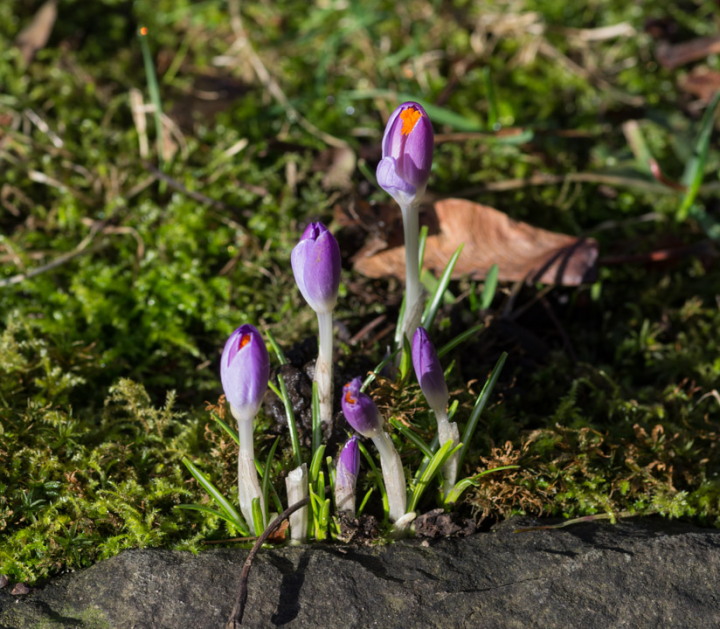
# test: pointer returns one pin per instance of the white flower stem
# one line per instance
(345, 495)
(248, 482)
(324, 366)
(393, 475)
(411, 229)
(448, 431)
(296, 484)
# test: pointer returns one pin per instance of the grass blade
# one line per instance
(478, 408)
(434, 304)
(378, 480)
(423, 242)
(364, 501)
(154, 92)
(316, 424)
(381, 365)
(459, 339)
(266, 477)
(258, 521)
(436, 463)
(210, 511)
(215, 494)
(292, 426)
(226, 427)
(471, 481)
(694, 169)
(276, 348)
(490, 287)
(411, 436)
(316, 463)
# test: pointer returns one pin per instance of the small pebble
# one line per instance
(3, 580)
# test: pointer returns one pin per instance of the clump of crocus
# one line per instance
(363, 415)
(316, 265)
(347, 470)
(432, 382)
(407, 152)
(245, 371)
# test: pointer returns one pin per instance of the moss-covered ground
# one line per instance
(120, 287)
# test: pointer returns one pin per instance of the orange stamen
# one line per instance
(349, 398)
(410, 117)
(144, 30)
(244, 340)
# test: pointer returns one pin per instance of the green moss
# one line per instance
(108, 359)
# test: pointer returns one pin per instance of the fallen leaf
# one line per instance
(3, 581)
(491, 237)
(701, 82)
(36, 34)
(20, 590)
(278, 535)
(674, 55)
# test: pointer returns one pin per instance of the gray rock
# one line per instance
(637, 574)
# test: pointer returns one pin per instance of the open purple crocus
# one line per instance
(407, 152)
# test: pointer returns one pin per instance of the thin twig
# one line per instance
(197, 196)
(83, 247)
(235, 620)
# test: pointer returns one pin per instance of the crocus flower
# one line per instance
(316, 265)
(362, 414)
(428, 371)
(245, 371)
(348, 468)
(407, 152)
(432, 382)
(360, 411)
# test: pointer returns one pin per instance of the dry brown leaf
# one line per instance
(674, 55)
(520, 250)
(701, 82)
(36, 34)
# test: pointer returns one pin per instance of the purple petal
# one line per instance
(245, 370)
(321, 273)
(389, 180)
(298, 257)
(389, 127)
(416, 161)
(360, 410)
(429, 371)
(349, 461)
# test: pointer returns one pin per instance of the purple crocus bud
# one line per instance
(407, 151)
(349, 462)
(360, 410)
(346, 474)
(429, 372)
(316, 264)
(245, 370)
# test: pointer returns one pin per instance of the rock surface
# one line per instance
(644, 573)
